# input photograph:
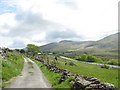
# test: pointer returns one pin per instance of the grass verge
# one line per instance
(11, 67)
(5, 84)
(52, 77)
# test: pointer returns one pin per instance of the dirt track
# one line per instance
(31, 77)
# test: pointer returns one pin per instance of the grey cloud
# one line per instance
(69, 3)
(6, 26)
(29, 18)
(29, 23)
(17, 44)
(57, 34)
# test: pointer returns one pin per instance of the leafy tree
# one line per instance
(83, 57)
(18, 50)
(22, 51)
(91, 58)
(113, 62)
(86, 58)
(33, 49)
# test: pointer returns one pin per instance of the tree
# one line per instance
(91, 58)
(33, 49)
(88, 58)
(83, 57)
(22, 51)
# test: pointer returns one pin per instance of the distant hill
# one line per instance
(65, 45)
(105, 46)
(107, 42)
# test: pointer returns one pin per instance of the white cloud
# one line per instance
(35, 20)
(39, 37)
(8, 19)
(5, 41)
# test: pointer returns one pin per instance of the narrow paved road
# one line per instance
(89, 62)
(31, 77)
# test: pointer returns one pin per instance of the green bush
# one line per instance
(83, 57)
(91, 58)
(113, 62)
(86, 58)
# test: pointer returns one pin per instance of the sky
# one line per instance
(44, 21)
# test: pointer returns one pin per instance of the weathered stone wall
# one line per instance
(80, 81)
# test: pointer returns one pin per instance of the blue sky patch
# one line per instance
(5, 8)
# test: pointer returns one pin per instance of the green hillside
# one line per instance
(107, 46)
(65, 45)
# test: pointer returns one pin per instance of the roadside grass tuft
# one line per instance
(30, 64)
(5, 84)
(31, 73)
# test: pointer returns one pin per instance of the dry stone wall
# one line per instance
(80, 81)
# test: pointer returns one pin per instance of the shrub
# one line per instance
(105, 66)
(86, 58)
(72, 64)
(91, 58)
(113, 62)
(83, 57)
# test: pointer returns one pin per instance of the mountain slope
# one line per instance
(107, 42)
(105, 46)
(65, 45)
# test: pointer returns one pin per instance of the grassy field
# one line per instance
(11, 67)
(53, 78)
(105, 75)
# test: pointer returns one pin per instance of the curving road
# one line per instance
(31, 77)
(89, 62)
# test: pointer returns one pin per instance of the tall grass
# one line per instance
(11, 66)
